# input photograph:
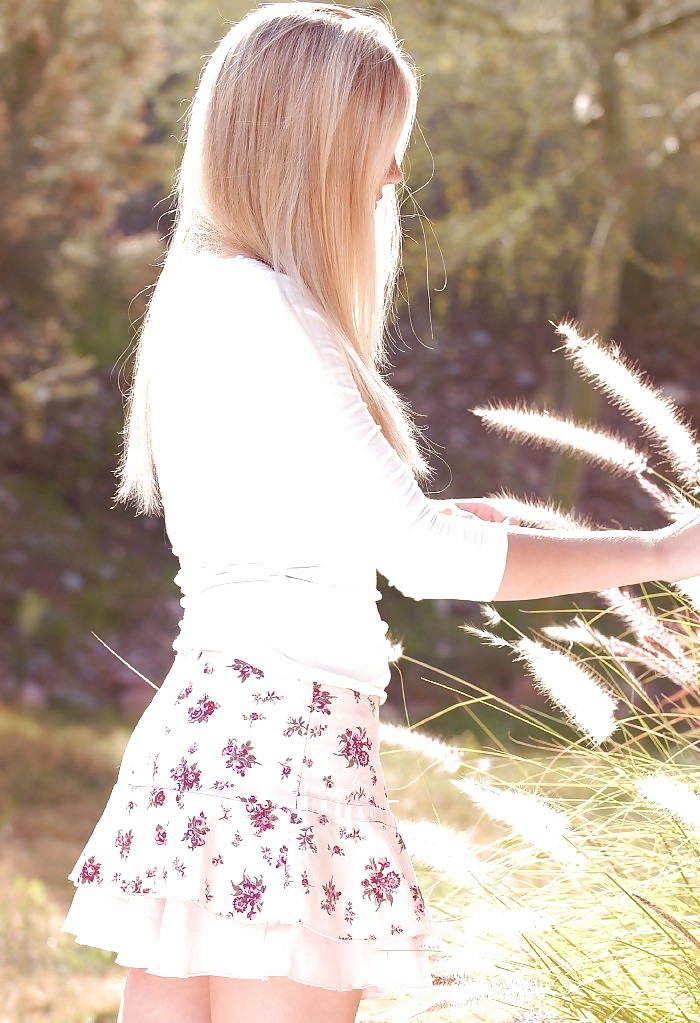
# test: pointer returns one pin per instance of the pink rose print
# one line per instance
(349, 914)
(184, 693)
(320, 700)
(305, 883)
(418, 901)
(328, 781)
(186, 776)
(123, 842)
(381, 883)
(156, 797)
(161, 835)
(286, 769)
(90, 871)
(240, 758)
(332, 896)
(248, 896)
(261, 816)
(245, 670)
(196, 830)
(355, 747)
(203, 710)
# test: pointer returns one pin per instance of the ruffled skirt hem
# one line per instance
(173, 938)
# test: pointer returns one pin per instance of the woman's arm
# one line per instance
(547, 564)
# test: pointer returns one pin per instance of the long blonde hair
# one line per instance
(297, 117)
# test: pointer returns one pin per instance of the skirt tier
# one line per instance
(249, 835)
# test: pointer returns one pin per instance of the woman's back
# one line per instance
(247, 411)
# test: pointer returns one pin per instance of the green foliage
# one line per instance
(535, 143)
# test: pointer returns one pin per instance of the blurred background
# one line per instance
(554, 174)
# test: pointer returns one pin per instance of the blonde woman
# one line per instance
(247, 865)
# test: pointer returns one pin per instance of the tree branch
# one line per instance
(649, 25)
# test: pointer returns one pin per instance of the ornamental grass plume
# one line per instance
(432, 749)
(575, 689)
(627, 387)
(446, 852)
(539, 514)
(690, 588)
(671, 649)
(673, 797)
(540, 824)
(542, 428)
(646, 625)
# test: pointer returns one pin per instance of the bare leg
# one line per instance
(280, 1000)
(149, 999)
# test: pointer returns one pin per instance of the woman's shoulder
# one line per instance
(241, 313)
(240, 292)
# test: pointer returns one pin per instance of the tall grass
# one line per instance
(576, 897)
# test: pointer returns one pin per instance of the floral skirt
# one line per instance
(249, 835)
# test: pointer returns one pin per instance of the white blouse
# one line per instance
(282, 496)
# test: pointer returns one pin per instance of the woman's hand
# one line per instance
(477, 507)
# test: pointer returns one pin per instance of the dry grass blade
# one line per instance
(668, 918)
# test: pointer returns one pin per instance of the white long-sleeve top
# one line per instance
(282, 497)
